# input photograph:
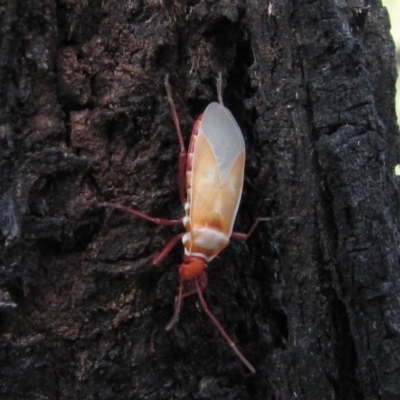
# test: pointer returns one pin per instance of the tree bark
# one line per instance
(311, 299)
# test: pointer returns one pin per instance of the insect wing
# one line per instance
(217, 170)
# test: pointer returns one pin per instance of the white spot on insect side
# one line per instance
(185, 220)
(185, 238)
(187, 206)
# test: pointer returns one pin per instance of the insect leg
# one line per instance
(245, 236)
(222, 330)
(219, 88)
(182, 151)
(167, 248)
(183, 292)
(158, 221)
(178, 307)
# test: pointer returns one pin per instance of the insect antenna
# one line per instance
(222, 330)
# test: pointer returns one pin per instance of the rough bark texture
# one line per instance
(312, 299)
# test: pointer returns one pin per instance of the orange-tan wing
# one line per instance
(217, 170)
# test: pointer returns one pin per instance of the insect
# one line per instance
(210, 176)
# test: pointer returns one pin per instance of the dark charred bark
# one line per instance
(311, 299)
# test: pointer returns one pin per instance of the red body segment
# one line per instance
(192, 269)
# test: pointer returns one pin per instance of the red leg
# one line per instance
(167, 249)
(182, 151)
(191, 285)
(158, 221)
(219, 88)
(222, 330)
(182, 294)
(245, 236)
(178, 307)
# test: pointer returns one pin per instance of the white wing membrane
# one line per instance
(224, 136)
